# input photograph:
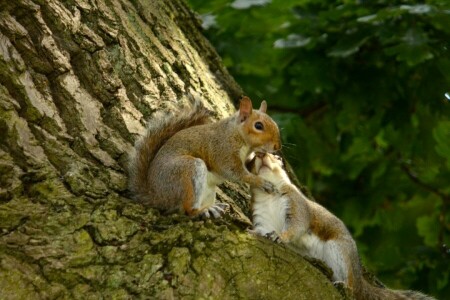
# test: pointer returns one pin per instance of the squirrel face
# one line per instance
(258, 129)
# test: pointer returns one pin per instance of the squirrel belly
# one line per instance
(310, 229)
(268, 214)
(180, 160)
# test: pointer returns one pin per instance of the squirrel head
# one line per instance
(257, 128)
(267, 166)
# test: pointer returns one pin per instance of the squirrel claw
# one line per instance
(338, 284)
(252, 231)
(215, 210)
(273, 236)
(224, 206)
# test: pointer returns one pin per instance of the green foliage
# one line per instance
(358, 90)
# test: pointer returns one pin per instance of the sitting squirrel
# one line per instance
(311, 230)
(181, 158)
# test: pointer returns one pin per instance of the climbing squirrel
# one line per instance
(311, 230)
(180, 160)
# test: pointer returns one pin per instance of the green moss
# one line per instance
(51, 190)
(119, 294)
(139, 212)
(110, 253)
(85, 292)
(179, 260)
(86, 180)
(146, 272)
(65, 222)
(115, 277)
(93, 274)
(173, 236)
(117, 181)
(22, 280)
(10, 184)
(17, 211)
(10, 220)
(109, 227)
(80, 250)
(125, 249)
(13, 285)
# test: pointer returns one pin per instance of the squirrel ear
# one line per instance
(263, 107)
(245, 108)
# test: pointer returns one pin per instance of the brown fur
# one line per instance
(172, 161)
(325, 233)
(189, 196)
(156, 135)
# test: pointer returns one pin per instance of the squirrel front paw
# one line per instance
(216, 210)
(268, 187)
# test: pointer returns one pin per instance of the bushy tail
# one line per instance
(161, 127)
(415, 295)
(370, 292)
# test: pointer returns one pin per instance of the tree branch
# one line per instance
(415, 179)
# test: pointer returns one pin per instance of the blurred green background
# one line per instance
(361, 90)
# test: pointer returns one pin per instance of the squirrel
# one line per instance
(180, 160)
(308, 228)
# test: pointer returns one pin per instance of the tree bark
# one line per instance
(78, 80)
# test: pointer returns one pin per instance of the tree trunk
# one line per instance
(78, 80)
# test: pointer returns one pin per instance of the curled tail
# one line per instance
(370, 292)
(160, 128)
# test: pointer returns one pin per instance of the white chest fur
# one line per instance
(269, 213)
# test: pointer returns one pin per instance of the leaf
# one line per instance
(411, 54)
(367, 19)
(380, 140)
(441, 20)
(292, 41)
(413, 48)
(348, 45)
(441, 135)
(418, 9)
(208, 21)
(244, 4)
(444, 67)
(428, 228)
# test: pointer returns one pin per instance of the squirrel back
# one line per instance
(161, 129)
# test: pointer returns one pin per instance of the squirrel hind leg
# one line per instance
(335, 255)
(200, 194)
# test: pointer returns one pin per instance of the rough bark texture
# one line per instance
(78, 79)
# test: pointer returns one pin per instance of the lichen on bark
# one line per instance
(78, 80)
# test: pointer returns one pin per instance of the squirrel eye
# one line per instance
(259, 126)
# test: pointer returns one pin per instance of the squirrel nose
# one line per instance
(277, 146)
